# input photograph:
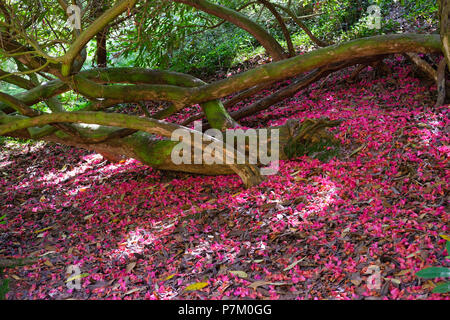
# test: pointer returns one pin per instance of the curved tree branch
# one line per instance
(97, 26)
(248, 173)
(272, 47)
(286, 34)
(170, 89)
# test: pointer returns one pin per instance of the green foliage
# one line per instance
(212, 51)
(2, 219)
(437, 272)
(442, 288)
(165, 35)
(16, 142)
(72, 102)
(347, 19)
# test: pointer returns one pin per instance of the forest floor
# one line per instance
(356, 227)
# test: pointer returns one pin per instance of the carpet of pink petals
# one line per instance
(315, 230)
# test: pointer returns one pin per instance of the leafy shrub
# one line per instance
(4, 284)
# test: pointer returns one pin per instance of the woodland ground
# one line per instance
(313, 231)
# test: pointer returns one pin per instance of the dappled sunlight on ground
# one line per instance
(310, 231)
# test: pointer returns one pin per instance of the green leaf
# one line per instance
(447, 247)
(196, 286)
(434, 272)
(442, 288)
(3, 217)
(78, 276)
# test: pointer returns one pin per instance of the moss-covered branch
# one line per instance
(165, 85)
(95, 27)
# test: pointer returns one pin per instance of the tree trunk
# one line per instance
(188, 95)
